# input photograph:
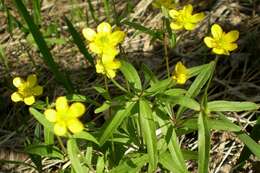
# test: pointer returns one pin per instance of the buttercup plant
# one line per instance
(148, 113)
(220, 42)
(184, 19)
(26, 89)
(180, 73)
(65, 116)
(104, 43)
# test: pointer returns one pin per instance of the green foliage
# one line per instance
(145, 115)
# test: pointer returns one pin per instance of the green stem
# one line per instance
(166, 55)
(61, 144)
(119, 86)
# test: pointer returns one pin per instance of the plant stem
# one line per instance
(166, 56)
(61, 144)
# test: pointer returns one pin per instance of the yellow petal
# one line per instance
(189, 26)
(219, 51)
(181, 79)
(216, 31)
(187, 9)
(76, 110)
(104, 27)
(95, 48)
(230, 46)
(89, 34)
(111, 73)
(61, 104)
(112, 64)
(50, 115)
(180, 68)
(117, 37)
(210, 42)
(17, 82)
(29, 100)
(100, 67)
(16, 97)
(37, 90)
(173, 13)
(231, 36)
(75, 126)
(197, 17)
(176, 26)
(32, 80)
(60, 129)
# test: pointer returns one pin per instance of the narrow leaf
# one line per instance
(148, 129)
(111, 125)
(79, 41)
(233, 106)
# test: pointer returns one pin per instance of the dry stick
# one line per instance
(225, 157)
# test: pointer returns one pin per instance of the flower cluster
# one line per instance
(65, 116)
(221, 43)
(104, 43)
(184, 18)
(27, 89)
(180, 74)
(168, 4)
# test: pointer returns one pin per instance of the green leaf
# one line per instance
(250, 143)
(102, 91)
(73, 153)
(149, 75)
(175, 150)
(137, 26)
(203, 143)
(183, 101)
(41, 118)
(148, 129)
(46, 54)
(106, 105)
(132, 164)
(86, 136)
(198, 84)
(194, 71)
(111, 125)
(233, 106)
(79, 41)
(37, 11)
(175, 92)
(100, 165)
(159, 87)
(131, 74)
(167, 162)
(44, 151)
(213, 124)
(48, 136)
(81, 98)
(255, 135)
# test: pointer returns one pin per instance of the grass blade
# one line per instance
(79, 41)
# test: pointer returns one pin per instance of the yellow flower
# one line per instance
(65, 116)
(221, 43)
(169, 4)
(108, 67)
(104, 41)
(27, 90)
(180, 73)
(184, 18)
